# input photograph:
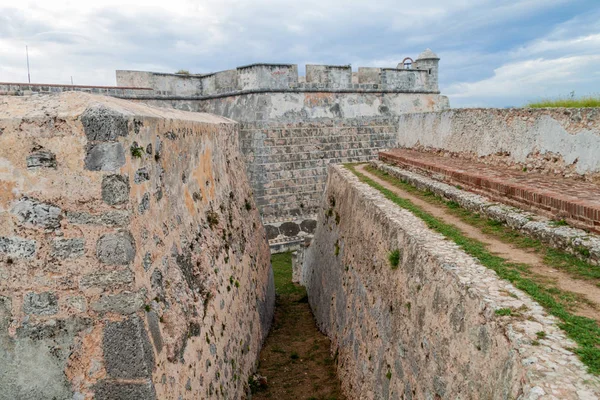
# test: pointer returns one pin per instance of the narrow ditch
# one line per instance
(296, 359)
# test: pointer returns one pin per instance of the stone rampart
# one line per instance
(557, 141)
(425, 328)
(133, 263)
(26, 89)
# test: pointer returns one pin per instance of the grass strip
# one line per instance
(555, 258)
(587, 101)
(584, 331)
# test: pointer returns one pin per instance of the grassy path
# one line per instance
(296, 359)
(585, 331)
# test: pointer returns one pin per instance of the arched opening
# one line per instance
(407, 63)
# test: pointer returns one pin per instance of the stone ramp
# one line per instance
(577, 202)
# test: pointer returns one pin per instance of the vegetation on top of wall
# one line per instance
(584, 331)
(183, 72)
(570, 101)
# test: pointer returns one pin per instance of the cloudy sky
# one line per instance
(493, 52)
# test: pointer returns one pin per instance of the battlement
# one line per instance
(420, 76)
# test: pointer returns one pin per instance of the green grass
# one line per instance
(282, 272)
(394, 258)
(503, 311)
(587, 101)
(555, 258)
(584, 331)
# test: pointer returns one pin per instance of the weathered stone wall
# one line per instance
(133, 264)
(27, 89)
(162, 83)
(290, 138)
(561, 141)
(287, 166)
(427, 328)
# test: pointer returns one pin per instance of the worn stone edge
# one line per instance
(495, 293)
(569, 239)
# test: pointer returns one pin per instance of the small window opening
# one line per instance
(429, 71)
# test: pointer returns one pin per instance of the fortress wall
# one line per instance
(133, 263)
(288, 140)
(162, 83)
(426, 329)
(564, 141)
(27, 89)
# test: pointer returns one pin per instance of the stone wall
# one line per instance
(290, 138)
(26, 89)
(133, 264)
(558, 141)
(426, 328)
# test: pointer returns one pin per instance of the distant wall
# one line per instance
(561, 141)
(133, 263)
(283, 77)
(25, 89)
(426, 329)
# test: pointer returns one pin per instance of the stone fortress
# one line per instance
(136, 224)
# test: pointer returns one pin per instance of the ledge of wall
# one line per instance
(563, 141)
(426, 329)
(24, 89)
(133, 263)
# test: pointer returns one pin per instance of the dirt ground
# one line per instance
(508, 251)
(296, 358)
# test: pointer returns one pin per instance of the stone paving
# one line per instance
(575, 201)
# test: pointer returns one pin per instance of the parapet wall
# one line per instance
(26, 89)
(133, 263)
(557, 141)
(426, 329)
(283, 78)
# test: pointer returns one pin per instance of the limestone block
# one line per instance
(68, 248)
(17, 247)
(32, 212)
(127, 350)
(45, 303)
(116, 248)
(105, 157)
(115, 189)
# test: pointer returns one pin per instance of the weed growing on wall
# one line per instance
(394, 258)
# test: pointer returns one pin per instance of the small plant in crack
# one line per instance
(394, 258)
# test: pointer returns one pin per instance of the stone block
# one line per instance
(144, 204)
(17, 247)
(41, 158)
(68, 248)
(35, 213)
(116, 248)
(308, 225)
(289, 229)
(45, 303)
(111, 218)
(272, 231)
(154, 326)
(106, 279)
(147, 261)
(141, 175)
(103, 124)
(77, 303)
(115, 189)
(5, 312)
(107, 389)
(123, 303)
(127, 350)
(105, 157)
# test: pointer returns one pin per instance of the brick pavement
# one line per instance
(577, 202)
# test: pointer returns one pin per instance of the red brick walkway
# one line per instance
(577, 202)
